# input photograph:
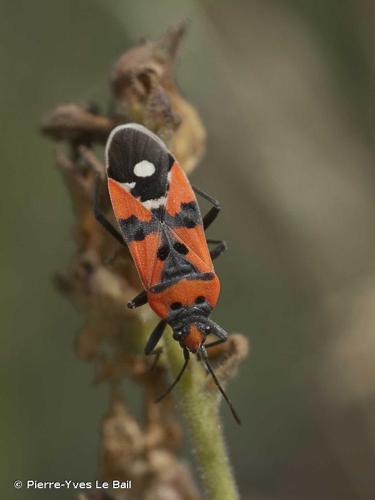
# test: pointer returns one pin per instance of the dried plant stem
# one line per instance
(199, 408)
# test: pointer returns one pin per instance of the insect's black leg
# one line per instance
(213, 242)
(215, 342)
(207, 197)
(157, 353)
(139, 300)
(210, 217)
(152, 342)
(186, 357)
(210, 344)
(221, 246)
(222, 338)
(213, 212)
(100, 217)
(219, 332)
(155, 337)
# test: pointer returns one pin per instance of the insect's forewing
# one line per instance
(187, 225)
(138, 165)
(133, 219)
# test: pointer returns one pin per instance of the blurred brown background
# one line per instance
(286, 91)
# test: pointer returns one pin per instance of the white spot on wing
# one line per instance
(144, 169)
(128, 185)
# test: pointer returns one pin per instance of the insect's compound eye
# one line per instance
(207, 329)
(200, 299)
(176, 305)
(177, 335)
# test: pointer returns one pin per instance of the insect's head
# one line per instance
(191, 324)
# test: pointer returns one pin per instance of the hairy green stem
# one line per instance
(199, 408)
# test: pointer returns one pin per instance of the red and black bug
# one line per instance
(160, 222)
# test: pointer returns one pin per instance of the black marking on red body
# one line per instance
(189, 215)
(191, 277)
(135, 230)
(165, 249)
(176, 265)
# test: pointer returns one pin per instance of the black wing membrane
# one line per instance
(140, 161)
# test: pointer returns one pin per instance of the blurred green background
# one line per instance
(286, 91)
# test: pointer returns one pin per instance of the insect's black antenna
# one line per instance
(234, 413)
(186, 356)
